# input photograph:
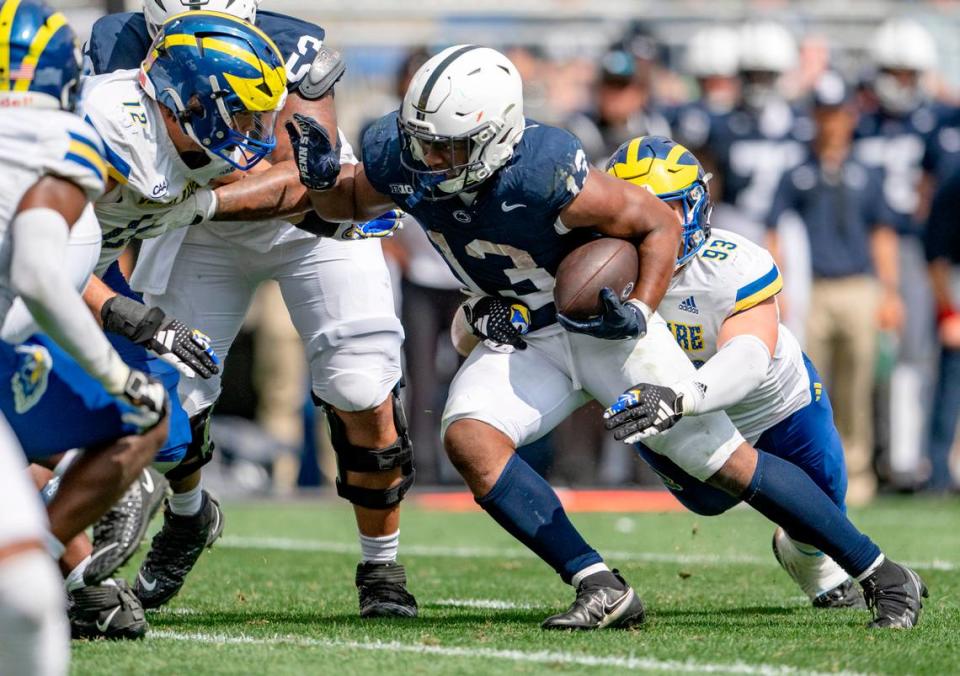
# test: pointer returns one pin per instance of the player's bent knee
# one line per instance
(198, 452)
(352, 458)
(356, 391)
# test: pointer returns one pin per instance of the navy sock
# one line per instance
(786, 495)
(525, 505)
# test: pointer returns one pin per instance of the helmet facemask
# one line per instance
(696, 207)
(464, 153)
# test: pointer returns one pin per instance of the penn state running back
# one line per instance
(207, 276)
(461, 158)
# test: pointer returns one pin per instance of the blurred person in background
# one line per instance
(942, 240)
(623, 107)
(712, 59)
(892, 137)
(751, 147)
(854, 258)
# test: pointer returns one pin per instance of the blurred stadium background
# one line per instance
(637, 59)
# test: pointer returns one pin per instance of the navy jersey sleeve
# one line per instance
(943, 225)
(551, 170)
(117, 42)
(784, 199)
(380, 151)
(298, 42)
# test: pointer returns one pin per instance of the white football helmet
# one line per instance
(713, 52)
(467, 103)
(902, 45)
(158, 11)
(767, 47)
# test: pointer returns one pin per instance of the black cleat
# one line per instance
(893, 592)
(601, 604)
(175, 550)
(108, 610)
(383, 591)
(844, 596)
(118, 533)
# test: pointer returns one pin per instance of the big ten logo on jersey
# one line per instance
(299, 62)
(718, 249)
(688, 336)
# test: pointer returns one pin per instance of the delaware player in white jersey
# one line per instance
(202, 105)
(721, 308)
(338, 295)
(56, 395)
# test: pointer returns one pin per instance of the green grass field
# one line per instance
(276, 596)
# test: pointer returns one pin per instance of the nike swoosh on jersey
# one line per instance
(103, 626)
(149, 586)
(510, 207)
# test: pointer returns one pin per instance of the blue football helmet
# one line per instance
(672, 173)
(223, 79)
(39, 56)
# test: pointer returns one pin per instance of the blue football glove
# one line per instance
(643, 411)
(318, 160)
(616, 320)
(384, 225)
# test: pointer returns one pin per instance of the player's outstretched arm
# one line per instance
(747, 341)
(276, 192)
(620, 209)
(40, 230)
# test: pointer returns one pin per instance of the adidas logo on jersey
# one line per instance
(689, 305)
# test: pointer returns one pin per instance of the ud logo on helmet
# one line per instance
(672, 173)
(223, 79)
(39, 57)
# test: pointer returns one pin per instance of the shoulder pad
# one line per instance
(327, 68)
(83, 162)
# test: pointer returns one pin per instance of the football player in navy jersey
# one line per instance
(893, 137)
(207, 277)
(504, 199)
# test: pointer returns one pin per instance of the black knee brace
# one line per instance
(200, 450)
(359, 459)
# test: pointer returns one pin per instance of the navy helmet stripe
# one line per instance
(435, 75)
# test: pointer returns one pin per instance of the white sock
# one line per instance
(380, 549)
(53, 546)
(587, 572)
(187, 504)
(34, 634)
(871, 569)
(74, 580)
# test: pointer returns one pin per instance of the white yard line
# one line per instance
(288, 544)
(629, 662)
(485, 604)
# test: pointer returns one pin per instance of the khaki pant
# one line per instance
(842, 342)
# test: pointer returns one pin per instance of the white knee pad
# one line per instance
(355, 367)
(34, 634)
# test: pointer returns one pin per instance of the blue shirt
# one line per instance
(839, 214)
(506, 242)
(942, 235)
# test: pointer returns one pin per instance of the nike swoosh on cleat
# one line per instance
(149, 586)
(613, 612)
(147, 482)
(103, 550)
(103, 626)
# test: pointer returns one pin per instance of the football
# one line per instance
(606, 261)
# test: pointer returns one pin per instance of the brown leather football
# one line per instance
(606, 261)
